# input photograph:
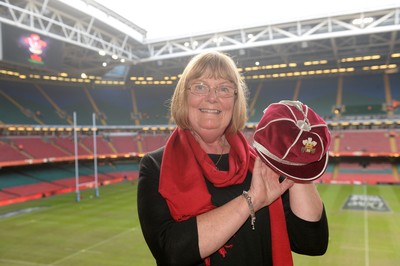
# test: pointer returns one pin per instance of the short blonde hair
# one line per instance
(211, 65)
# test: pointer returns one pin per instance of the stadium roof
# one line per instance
(338, 38)
(177, 18)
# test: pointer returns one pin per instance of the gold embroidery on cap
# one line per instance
(309, 145)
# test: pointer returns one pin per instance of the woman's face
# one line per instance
(210, 114)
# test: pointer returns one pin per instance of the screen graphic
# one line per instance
(31, 48)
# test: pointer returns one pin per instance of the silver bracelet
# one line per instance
(251, 207)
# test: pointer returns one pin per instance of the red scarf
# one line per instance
(182, 184)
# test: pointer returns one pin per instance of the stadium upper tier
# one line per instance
(52, 103)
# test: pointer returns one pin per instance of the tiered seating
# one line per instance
(37, 147)
(125, 144)
(115, 103)
(72, 99)
(327, 176)
(153, 142)
(364, 141)
(11, 113)
(10, 153)
(397, 140)
(319, 94)
(7, 196)
(38, 190)
(271, 91)
(359, 92)
(368, 173)
(376, 141)
(67, 144)
(24, 103)
(154, 111)
(13, 179)
(28, 96)
(394, 81)
(28, 183)
(103, 146)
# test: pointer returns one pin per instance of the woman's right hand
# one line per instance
(265, 187)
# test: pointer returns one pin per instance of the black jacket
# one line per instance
(176, 243)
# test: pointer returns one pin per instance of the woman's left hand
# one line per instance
(265, 187)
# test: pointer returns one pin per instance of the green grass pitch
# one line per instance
(105, 231)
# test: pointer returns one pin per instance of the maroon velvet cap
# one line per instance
(293, 140)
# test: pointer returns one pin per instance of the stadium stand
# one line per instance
(320, 94)
(33, 102)
(66, 143)
(153, 142)
(9, 152)
(23, 149)
(363, 95)
(36, 181)
(114, 104)
(266, 92)
(125, 144)
(364, 141)
(154, 111)
(37, 147)
(134, 119)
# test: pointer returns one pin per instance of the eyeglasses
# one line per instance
(202, 89)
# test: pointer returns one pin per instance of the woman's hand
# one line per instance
(265, 187)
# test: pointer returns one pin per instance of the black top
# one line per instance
(176, 243)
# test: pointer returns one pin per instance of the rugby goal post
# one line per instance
(93, 183)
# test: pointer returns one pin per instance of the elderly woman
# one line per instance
(206, 198)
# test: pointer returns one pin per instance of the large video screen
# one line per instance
(30, 48)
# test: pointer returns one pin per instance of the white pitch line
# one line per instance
(93, 246)
(20, 262)
(366, 233)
